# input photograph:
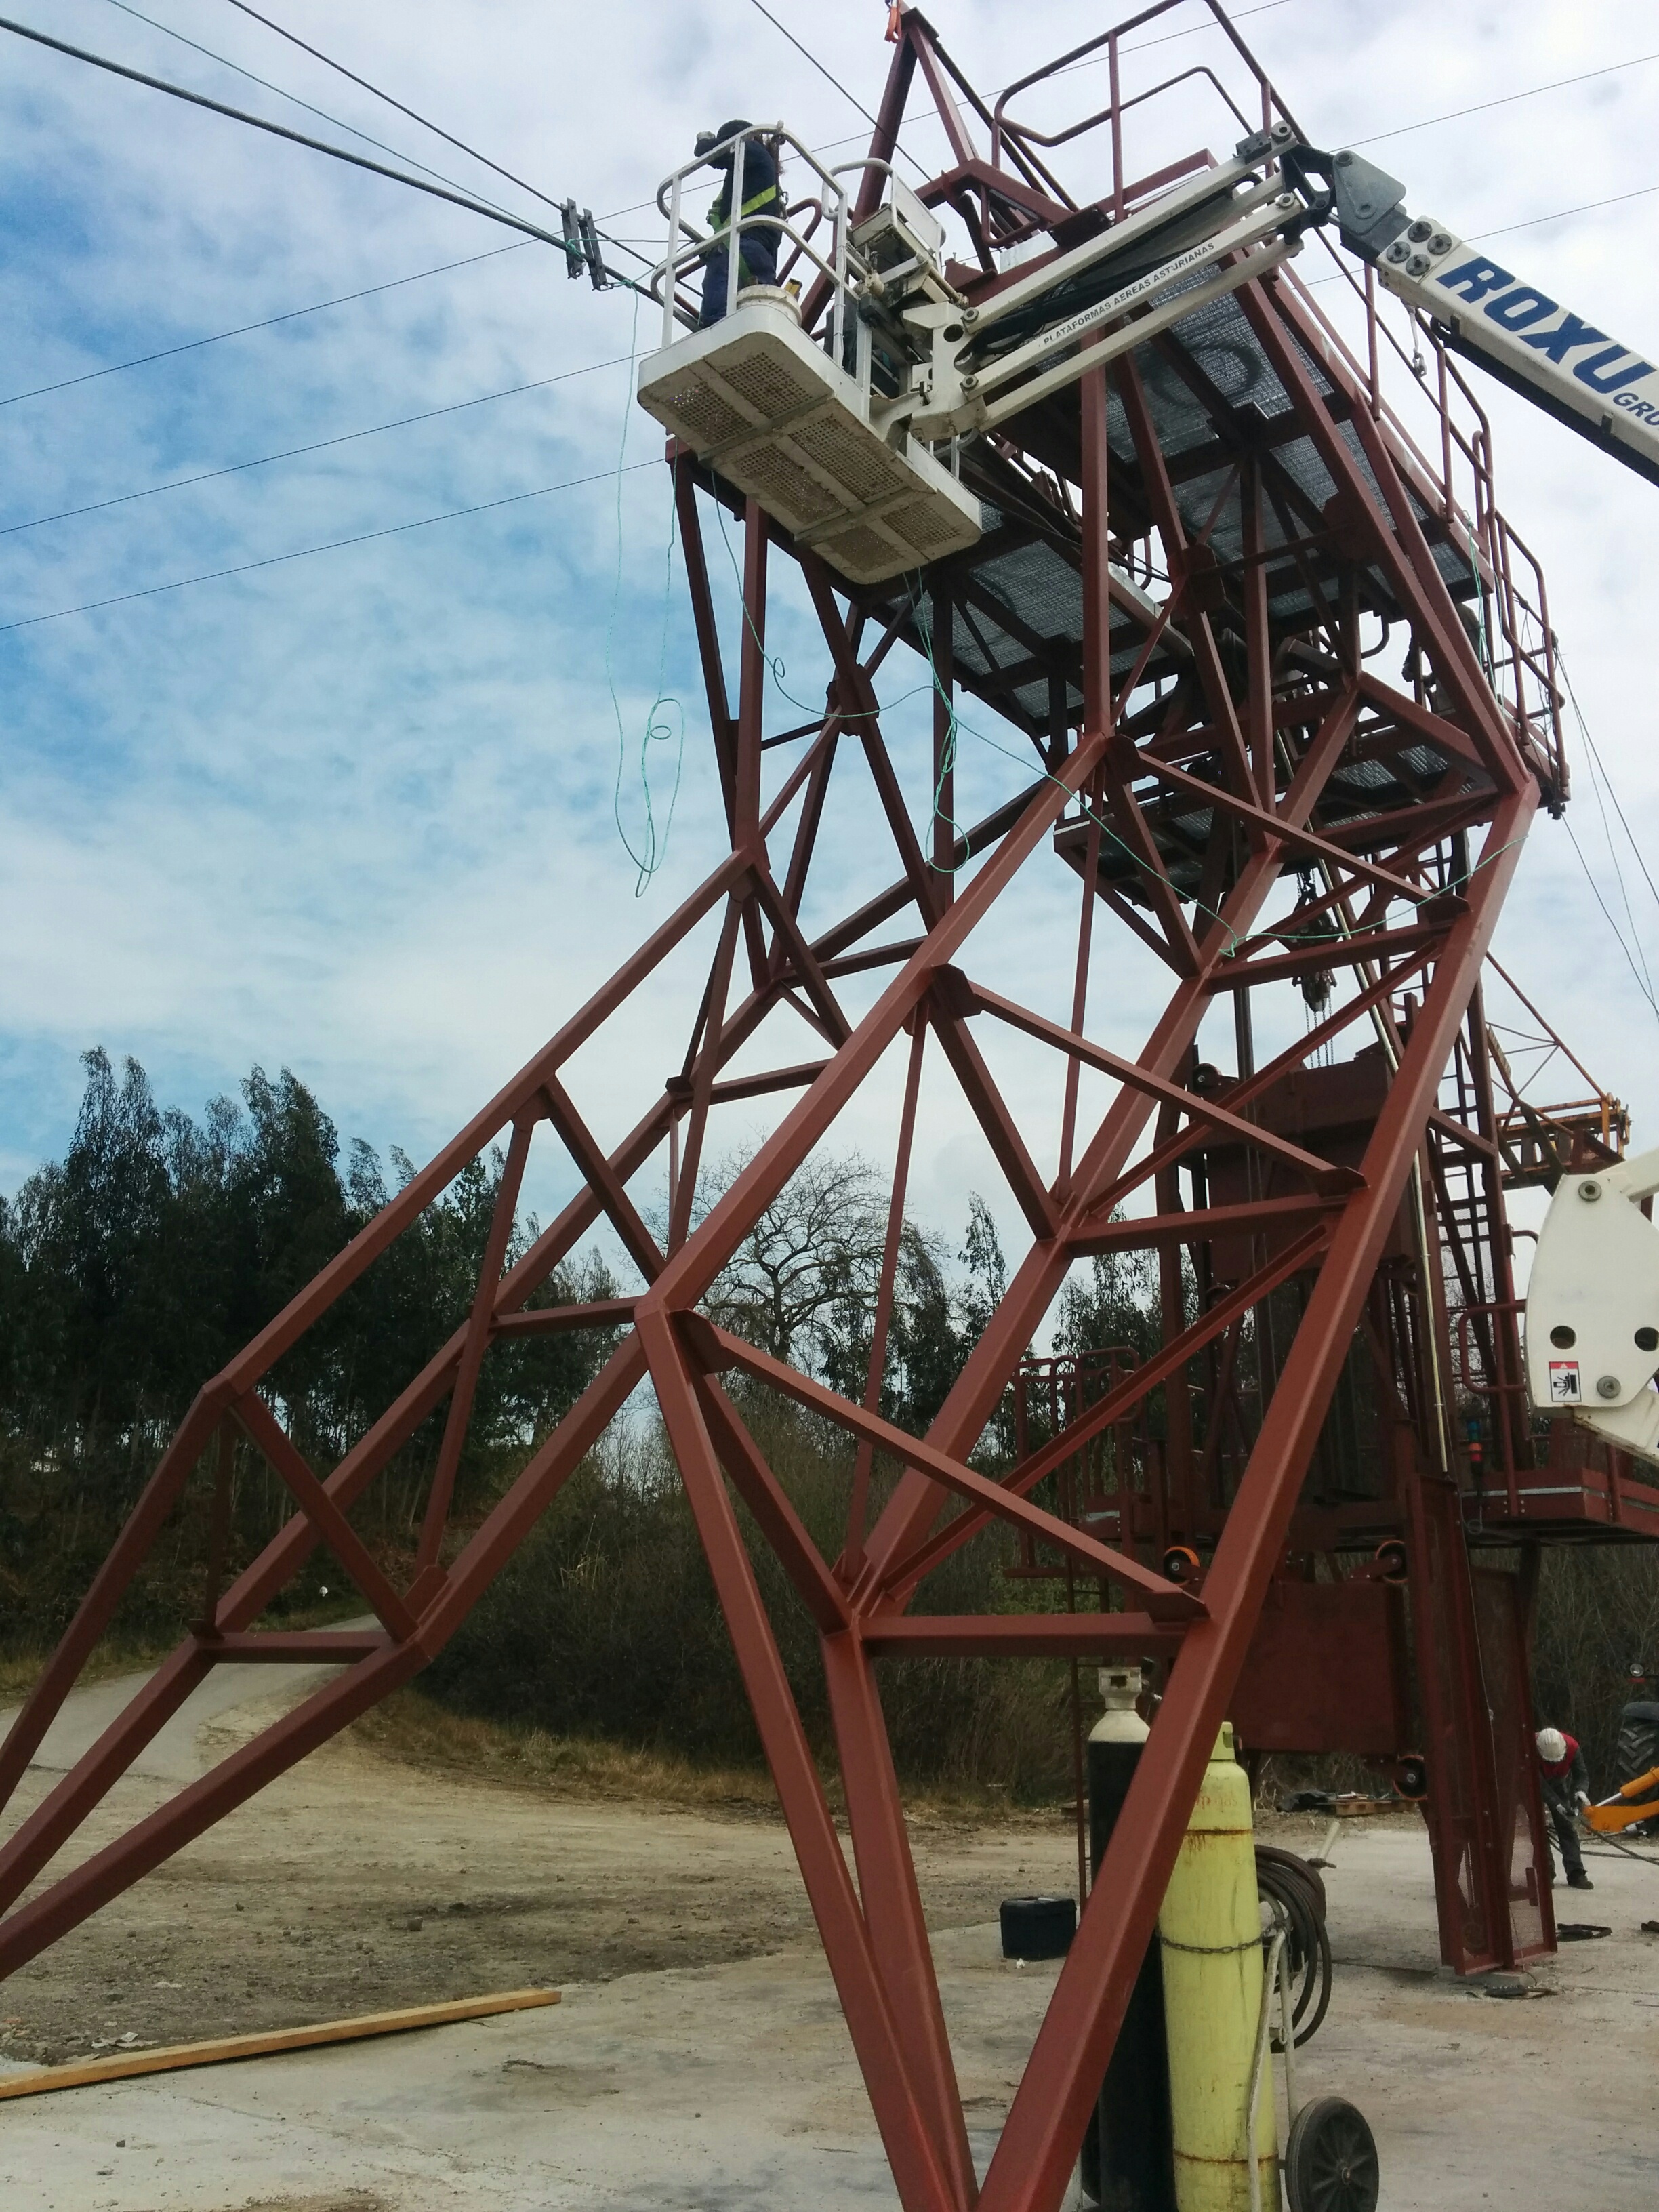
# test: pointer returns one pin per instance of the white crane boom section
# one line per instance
(1538, 347)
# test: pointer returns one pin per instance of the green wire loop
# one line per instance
(657, 729)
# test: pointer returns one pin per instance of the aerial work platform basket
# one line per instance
(774, 411)
(757, 400)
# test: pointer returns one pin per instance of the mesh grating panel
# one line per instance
(924, 527)
(1043, 591)
(857, 462)
(1363, 775)
(859, 550)
(709, 418)
(784, 487)
(1282, 605)
(1455, 565)
(1350, 438)
(1301, 463)
(1002, 647)
(767, 385)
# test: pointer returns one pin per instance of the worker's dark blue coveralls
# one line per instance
(757, 248)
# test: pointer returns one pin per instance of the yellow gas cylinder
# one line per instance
(1210, 1938)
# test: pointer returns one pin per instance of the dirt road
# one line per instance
(359, 1882)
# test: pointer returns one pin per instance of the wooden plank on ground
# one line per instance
(122, 2064)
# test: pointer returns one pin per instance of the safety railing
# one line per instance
(1097, 1486)
(1539, 1142)
(1437, 426)
(1019, 140)
(1443, 439)
(1487, 1364)
(1524, 673)
(690, 247)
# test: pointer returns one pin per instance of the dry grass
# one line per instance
(417, 1731)
(353, 2200)
(20, 1672)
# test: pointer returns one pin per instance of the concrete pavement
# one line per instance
(733, 2088)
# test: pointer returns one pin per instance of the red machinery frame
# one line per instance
(1252, 729)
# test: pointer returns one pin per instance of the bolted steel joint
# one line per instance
(1608, 1386)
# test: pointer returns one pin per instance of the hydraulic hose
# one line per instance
(1292, 1889)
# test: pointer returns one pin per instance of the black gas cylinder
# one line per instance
(1129, 2154)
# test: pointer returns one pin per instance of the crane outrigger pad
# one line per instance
(759, 402)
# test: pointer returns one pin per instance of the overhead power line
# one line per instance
(473, 205)
(1594, 752)
(243, 329)
(1601, 784)
(830, 76)
(281, 91)
(1642, 984)
(1506, 99)
(317, 445)
(266, 323)
(927, 116)
(1169, 38)
(1561, 214)
(329, 545)
(340, 70)
(1531, 222)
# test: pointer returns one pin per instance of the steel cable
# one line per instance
(282, 93)
(316, 446)
(329, 545)
(438, 131)
(471, 202)
(265, 322)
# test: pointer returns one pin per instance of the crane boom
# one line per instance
(1559, 360)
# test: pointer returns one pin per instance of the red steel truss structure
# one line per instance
(1174, 606)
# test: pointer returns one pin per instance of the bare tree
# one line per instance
(803, 1285)
(813, 1255)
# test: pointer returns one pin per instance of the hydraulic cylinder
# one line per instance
(1210, 1936)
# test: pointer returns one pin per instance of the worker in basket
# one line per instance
(757, 246)
(1566, 1787)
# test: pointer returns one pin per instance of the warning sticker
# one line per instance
(1563, 1382)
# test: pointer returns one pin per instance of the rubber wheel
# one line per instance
(1637, 1748)
(1330, 2160)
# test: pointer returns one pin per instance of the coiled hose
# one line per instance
(1294, 1895)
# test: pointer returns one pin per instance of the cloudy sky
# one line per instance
(355, 811)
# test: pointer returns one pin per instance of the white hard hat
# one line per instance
(1552, 1745)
